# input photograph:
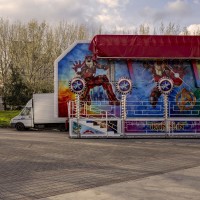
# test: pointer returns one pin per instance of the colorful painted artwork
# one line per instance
(96, 127)
(196, 70)
(101, 77)
(144, 101)
(65, 73)
(135, 127)
(159, 127)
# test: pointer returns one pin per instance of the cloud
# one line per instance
(105, 18)
(113, 3)
(8, 6)
(50, 10)
(196, 1)
(117, 14)
(97, 12)
(112, 14)
(110, 3)
(172, 11)
(178, 6)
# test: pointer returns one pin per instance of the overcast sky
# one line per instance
(118, 14)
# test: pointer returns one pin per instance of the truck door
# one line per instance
(26, 117)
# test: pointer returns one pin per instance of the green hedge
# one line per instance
(6, 116)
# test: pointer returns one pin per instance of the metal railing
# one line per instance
(184, 109)
(97, 109)
(141, 118)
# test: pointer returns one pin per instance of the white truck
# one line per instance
(38, 113)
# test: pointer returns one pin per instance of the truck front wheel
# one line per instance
(20, 126)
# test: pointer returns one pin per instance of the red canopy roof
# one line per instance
(146, 46)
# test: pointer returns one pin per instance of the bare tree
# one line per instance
(172, 29)
(144, 29)
(31, 50)
(4, 56)
(185, 31)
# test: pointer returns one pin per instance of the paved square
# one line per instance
(40, 164)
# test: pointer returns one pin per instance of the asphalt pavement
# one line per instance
(48, 165)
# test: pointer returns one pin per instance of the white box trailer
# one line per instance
(38, 113)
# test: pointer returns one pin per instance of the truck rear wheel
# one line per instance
(20, 126)
(62, 128)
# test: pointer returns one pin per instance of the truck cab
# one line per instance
(25, 118)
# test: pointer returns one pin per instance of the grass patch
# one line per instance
(6, 116)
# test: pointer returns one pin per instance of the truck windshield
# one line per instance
(26, 111)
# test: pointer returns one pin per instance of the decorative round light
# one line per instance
(77, 85)
(165, 85)
(124, 85)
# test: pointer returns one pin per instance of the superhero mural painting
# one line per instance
(183, 96)
(87, 71)
(161, 69)
(65, 73)
(183, 100)
(75, 63)
(147, 98)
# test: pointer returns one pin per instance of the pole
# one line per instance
(78, 111)
(123, 114)
(166, 113)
